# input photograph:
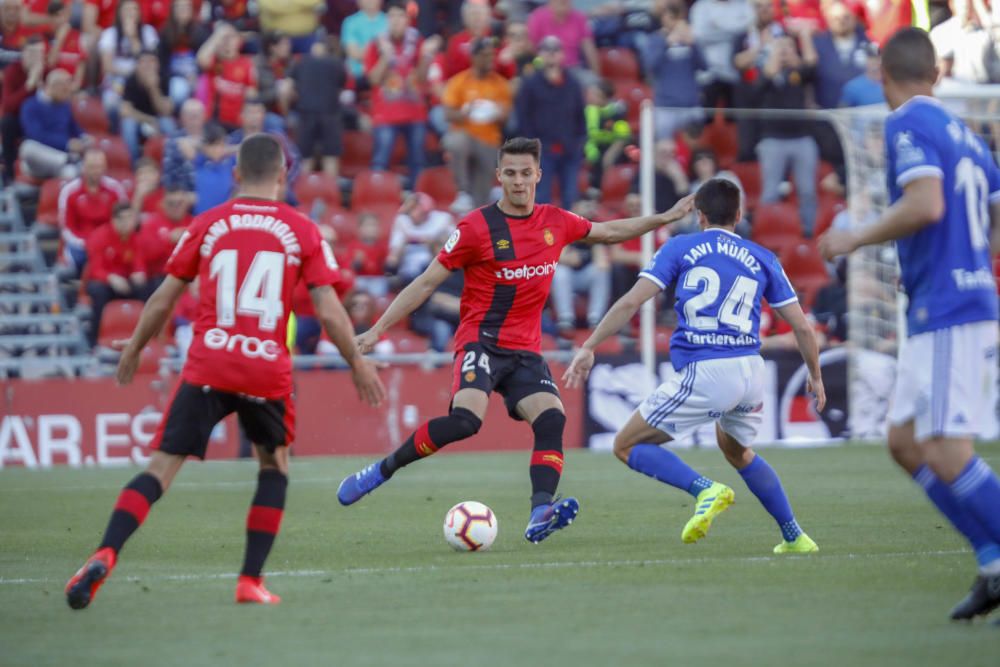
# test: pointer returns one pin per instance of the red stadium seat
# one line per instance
(616, 183)
(357, 155)
(118, 320)
(344, 223)
(90, 115)
(619, 65)
(805, 268)
(116, 150)
(149, 358)
(153, 149)
(439, 183)
(582, 185)
(721, 137)
(749, 175)
(48, 202)
(829, 207)
(379, 190)
(22, 177)
(776, 226)
(317, 186)
(633, 94)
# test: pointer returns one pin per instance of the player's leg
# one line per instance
(271, 427)
(183, 431)
(475, 373)
(637, 445)
(765, 484)
(935, 414)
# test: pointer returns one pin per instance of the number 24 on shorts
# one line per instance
(469, 362)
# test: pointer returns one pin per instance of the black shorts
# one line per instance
(194, 411)
(320, 130)
(514, 374)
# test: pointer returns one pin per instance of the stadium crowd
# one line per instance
(121, 117)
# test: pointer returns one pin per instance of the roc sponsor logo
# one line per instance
(250, 347)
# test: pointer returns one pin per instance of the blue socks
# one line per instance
(763, 482)
(665, 466)
(977, 491)
(941, 495)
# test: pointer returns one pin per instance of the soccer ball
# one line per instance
(470, 526)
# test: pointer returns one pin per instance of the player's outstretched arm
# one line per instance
(922, 204)
(619, 315)
(806, 340)
(616, 231)
(412, 296)
(154, 315)
(331, 314)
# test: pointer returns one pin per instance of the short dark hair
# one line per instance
(260, 159)
(909, 56)
(120, 208)
(521, 146)
(719, 200)
(395, 4)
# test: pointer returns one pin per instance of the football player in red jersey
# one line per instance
(508, 251)
(247, 254)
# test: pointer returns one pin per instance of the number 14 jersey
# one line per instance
(247, 254)
(721, 279)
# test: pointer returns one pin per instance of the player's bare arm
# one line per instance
(806, 341)
(617, 317)
(922, 204)
(154, 316)
(411, 298)
(616, 231)
(331, 314)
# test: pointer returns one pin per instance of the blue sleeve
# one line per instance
(654, 53)
(663, 268)
(913, 151)
(778, 291)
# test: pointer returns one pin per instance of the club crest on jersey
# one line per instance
(470, 376)
(549, 236)
(452, 241)
(503, 244)
(906, 152)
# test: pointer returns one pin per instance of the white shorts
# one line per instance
(728, 391)
(944, 381)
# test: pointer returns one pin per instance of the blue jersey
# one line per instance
(946, 267)
(721, 279)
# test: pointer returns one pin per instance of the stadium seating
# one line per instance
(345, 223)
(119, 320)
(48, 203)
(357, 154)
(439, 183)
(317, 186)
(633, 94)
(776, 226)
(619, 65)
(617, 182)
(153, 148)
(829, 207)
(117, 153)
(749, 175)
(376, 191)
(721, 137)
(805, 268)
(90, 114)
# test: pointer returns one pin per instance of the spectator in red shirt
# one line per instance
(98, 15)
(366, 256)
(13, 32)
(231, 77)
(477, 18)
(20, 81)
(396, 65)
(85, 204)
(36, 15)
(161, 230)
(148, 191)
(65, 48)
(117, 265)
(155, 12)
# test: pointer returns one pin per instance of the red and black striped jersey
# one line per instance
(508, 262)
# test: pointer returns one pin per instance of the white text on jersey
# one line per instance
(249, 346)
(265, 223)
(723, 247)
(526, 272)
(978, 279)
(719, 339)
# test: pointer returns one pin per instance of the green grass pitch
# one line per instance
(375, 584)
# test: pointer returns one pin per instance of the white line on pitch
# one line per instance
(513, 566)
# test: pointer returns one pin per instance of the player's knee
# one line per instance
(548, 428)
(467, 424)
(904, 450)
(622, 447)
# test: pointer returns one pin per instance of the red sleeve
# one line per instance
(371, 55)
(139, 257)
(251, 73)
(15, 90)
(97, 269)
(319, 266)
(462, 248)
(576, 227)
(67, 211)
(185, 260)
